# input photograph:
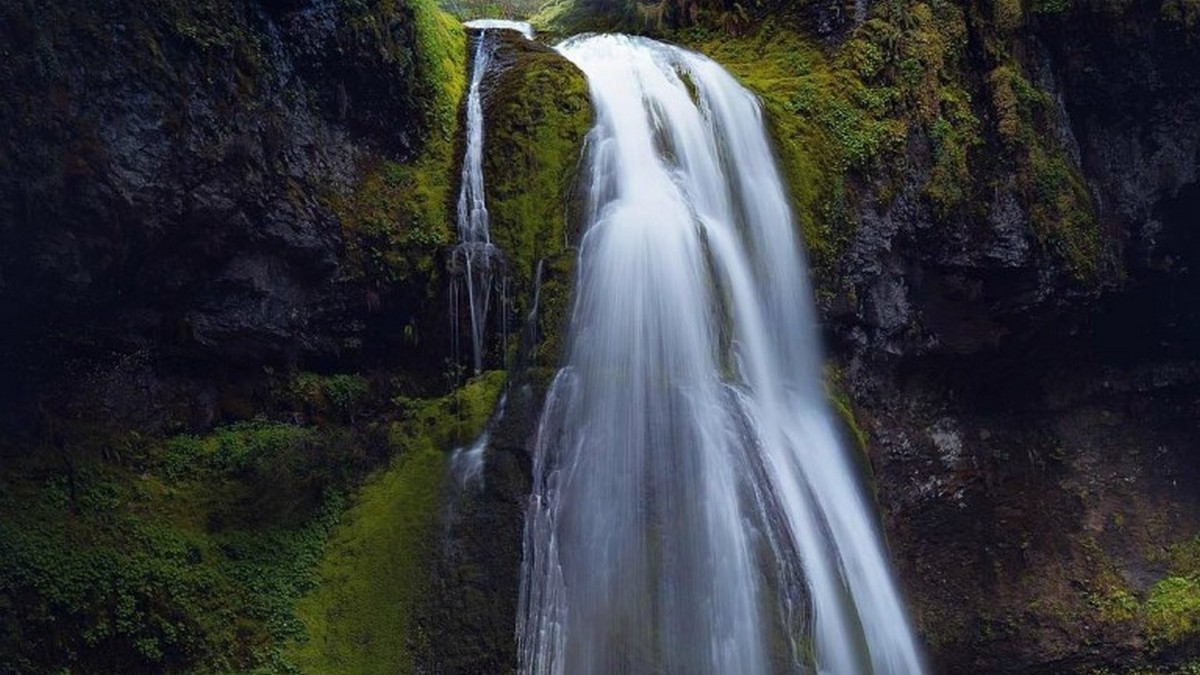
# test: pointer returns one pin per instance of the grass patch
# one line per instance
(1172, 610)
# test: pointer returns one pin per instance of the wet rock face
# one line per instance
(163, 172)
(1034, 437)
(1126, 111)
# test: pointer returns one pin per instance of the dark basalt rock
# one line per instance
(1033, 436)
(163, 172)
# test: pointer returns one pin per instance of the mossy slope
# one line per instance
(189, 553)
(174, 555)
(363, 616)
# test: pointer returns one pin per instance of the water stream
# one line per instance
(693, 509)
(477, 265)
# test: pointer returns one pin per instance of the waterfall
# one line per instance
(692, 509)
(475, 261)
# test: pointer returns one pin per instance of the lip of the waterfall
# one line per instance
(522, 27)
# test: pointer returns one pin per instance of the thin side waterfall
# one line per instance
(475, 261)
(692, 508)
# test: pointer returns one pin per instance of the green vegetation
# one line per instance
(1112, 600)
(1060, 205)
(1172, 610)
(538, 114)
(400, 215)
(839, 399)
(189, 553)
(1168, 614)
(184, 554)
(1050, 6)
(570, 17)
(339, 396)
(375, 574)
(1171, 613)
(491, 9)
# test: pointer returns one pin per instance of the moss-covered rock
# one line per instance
(400, 215)
(898, 100)
(365, 614)
(212, 182)
(537, 112)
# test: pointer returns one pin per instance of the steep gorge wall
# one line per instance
(199, 182)
(1033, 414)
(228, 398)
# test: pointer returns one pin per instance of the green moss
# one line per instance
(1172, 610)
(1060, 205)
(375, 573)
(839, 399)
(359, 618)
(1008, 14)
(953, 135)
(1116, 606)
(842, 116)
(845, 116)
(841, 404)
(477, 9)
(398, 219)
(538, 115)
(822, 129)
(400, 215)
(571, 17)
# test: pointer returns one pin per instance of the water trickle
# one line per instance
(531, 318)
(476, 266)
(466, 463)
(692, 509)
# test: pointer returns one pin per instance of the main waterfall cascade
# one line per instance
(692, 510)
(475, 261)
